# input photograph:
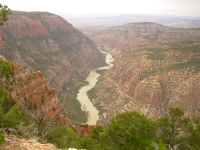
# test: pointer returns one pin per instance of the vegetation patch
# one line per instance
(5, 69)
(72, 107)
(192, 48)
(101, 71)
(102, 49)
(155, 54)
(134, 131)
(192, 62)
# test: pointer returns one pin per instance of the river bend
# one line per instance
(92, 78)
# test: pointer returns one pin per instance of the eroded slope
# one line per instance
(46, 42)
(155, 74)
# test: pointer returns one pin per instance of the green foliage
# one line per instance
(2, 138)
(102, 49)
(9, 112)
(11, 118)
(30, 105)
(5, 102)
(41, 127)
(72, 107)
(62, 137)
(86, 143)
(96, 133)
(5, 69)
(191, 62)
(193, 48)
(162, 146)
(194, 139)
(43, 97)
(173, 127)
(4, 12)
(156, 54)
(101, 71)
(129, 130)
(27, 127)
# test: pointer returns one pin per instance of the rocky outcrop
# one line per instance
(154, 76)
(46, 42)
(32, 93)
(83, 129)
(14, 142)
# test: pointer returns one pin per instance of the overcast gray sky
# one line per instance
(159, 7)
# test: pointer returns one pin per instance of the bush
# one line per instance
(62, 137)
(2, 140)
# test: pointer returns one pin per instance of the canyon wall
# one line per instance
(46, 42)
(158, 68)
(140, 35)
(31, 91)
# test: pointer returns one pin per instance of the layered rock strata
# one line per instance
(46, 42)
(153, 75)
(31, 91)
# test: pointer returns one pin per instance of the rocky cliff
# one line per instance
(158, 68)
(33, 94)
(46, 42)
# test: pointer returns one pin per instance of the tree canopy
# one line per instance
(173, 127)
(62, 137)
(129, 130)
(4, 12)
(132, 130)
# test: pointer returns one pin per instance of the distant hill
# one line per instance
(90, 24)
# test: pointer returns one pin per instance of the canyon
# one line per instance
(152, 64)
(155, 67)
(83, 97)
(48, 43)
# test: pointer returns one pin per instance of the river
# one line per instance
(92, 78)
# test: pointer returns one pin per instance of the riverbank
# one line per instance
(92, 78)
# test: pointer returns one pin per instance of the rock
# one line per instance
(33, 94)
(14, 142)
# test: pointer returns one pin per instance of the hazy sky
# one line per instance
(170, 7)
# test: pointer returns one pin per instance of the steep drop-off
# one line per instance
(46, 42)
(158, 68)
(32, 93)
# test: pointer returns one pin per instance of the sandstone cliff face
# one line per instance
(46, 42)
(153, 77)
(33, 94)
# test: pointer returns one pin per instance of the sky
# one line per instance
(156, 7)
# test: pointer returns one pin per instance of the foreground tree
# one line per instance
(194, 139)
(62, 137)
(87, 143)
(173, 129)
(9, 113)
(2, 138)
(128, 130)
(4, 12)
(96, 133)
